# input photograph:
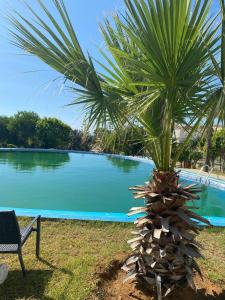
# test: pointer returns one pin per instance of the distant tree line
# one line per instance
(132, 142)
(126, 141)
(27, 129)
(192, 154)
(198, 147)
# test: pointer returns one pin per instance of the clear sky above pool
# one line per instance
(21, 89)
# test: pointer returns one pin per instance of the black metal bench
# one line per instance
(12, 238)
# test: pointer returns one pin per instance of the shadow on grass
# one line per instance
(64, 271)
(33, 285)
(30, 287)
(47, 263)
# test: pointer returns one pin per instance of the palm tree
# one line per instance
(157, 73)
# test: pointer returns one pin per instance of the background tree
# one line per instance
(157, 75)
(22, 128)
(184, 159)
(27, 129)
(4, 131)
(218, 147)
(53, 133)
(195, 156)
(127, 141)
(192, 153)
(195, 151)
(80, 140)
(208, 153)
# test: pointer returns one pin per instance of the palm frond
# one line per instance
(162, 49)
(158, 71)
(59, 48)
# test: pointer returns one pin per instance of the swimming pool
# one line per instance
(82, 186)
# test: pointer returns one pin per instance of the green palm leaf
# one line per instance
(157, 74)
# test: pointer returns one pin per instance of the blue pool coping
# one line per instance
(90, 216)
(105, 216)
(71, 215)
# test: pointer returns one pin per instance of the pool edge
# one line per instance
(90, 216)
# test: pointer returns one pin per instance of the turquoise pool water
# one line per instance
(81, 182)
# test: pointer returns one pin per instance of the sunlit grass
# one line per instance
(73, 253)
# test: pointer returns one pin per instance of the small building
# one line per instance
(181, 132)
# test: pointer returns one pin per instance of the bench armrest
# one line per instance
(36, 219)
(29, 227)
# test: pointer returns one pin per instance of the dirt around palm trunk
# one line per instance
(111, 287)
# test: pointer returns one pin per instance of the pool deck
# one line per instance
(220, 177)
(108, 216)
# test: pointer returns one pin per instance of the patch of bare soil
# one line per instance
(111, 287)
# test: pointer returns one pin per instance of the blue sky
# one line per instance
(21, 89)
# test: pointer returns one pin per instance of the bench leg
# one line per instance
(38, 237)
(21, 262)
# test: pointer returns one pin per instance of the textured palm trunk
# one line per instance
(164, 245)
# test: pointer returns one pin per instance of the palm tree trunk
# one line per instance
(208, 148)
(164, 246)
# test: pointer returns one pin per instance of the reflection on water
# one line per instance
(82, 182)
(32, 160)
(124, 165)
(204, 194)
(211, 202)
(201, 203)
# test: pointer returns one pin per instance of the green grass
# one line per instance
(73, 253)
(213, 241)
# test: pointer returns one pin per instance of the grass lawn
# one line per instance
(73, 253)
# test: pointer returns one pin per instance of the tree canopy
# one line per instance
(27, 129)
(22, 128)
(51, 132)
